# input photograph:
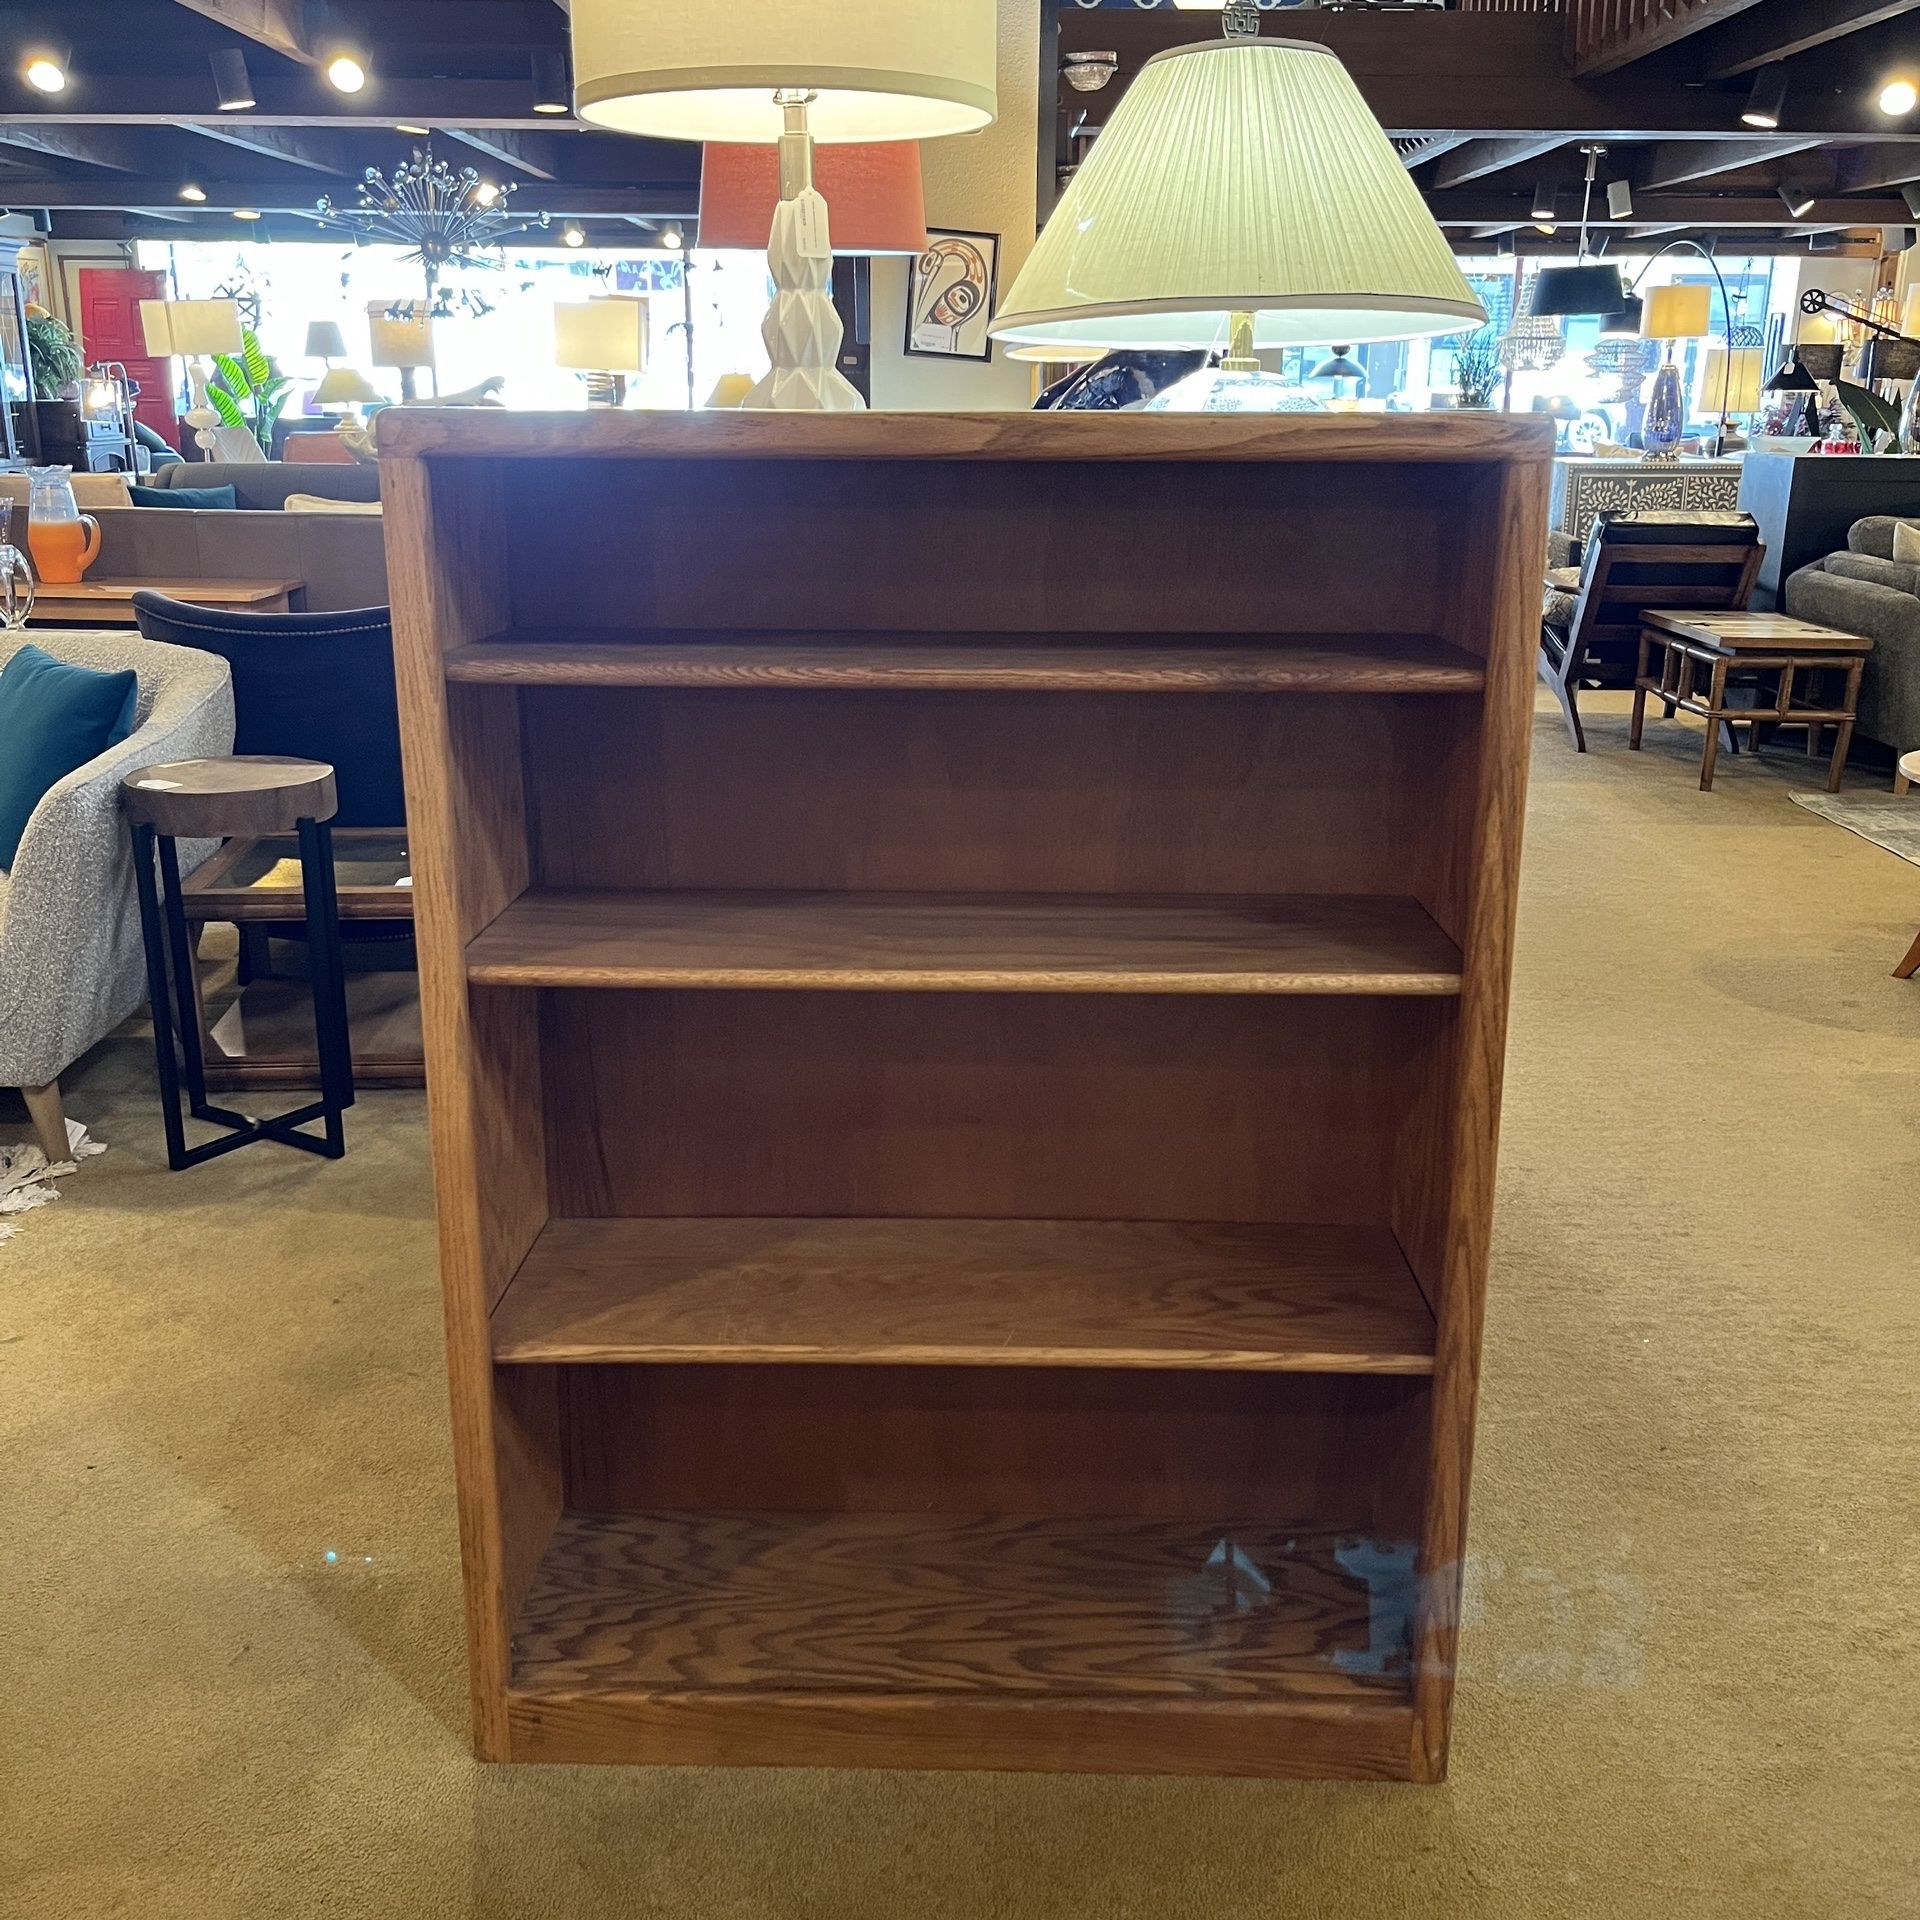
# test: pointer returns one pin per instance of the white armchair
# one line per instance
(72, 965)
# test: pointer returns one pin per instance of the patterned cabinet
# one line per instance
(1583, 488)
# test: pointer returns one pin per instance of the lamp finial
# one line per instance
(1241, 20)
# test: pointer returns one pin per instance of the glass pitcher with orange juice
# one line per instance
(62, 539)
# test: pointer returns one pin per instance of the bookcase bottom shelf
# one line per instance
(913, 1640)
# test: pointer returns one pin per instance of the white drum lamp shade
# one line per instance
(1730, 382)
(400, 336)
(601, 336)
(1238, 177)
(708, 69)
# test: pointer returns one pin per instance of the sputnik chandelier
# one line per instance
(444, 218)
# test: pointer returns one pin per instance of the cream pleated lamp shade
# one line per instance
(707, 69)
(1238, 176)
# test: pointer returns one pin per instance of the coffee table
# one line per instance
(109, 603)
(1740, 652)
(265, 1037)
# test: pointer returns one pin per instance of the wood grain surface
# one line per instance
(475, 432)
(968, 1293)
(977, 663)
(982, 943)
(859, 1603)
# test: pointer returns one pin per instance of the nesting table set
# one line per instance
(1725, 666)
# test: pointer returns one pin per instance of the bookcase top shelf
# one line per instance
(975, 662)
(722, 433)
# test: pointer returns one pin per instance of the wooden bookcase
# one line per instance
(964, 964)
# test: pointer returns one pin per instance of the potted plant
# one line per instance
(248, 390)
(1476, 369)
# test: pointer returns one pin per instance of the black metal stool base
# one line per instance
(163, 926)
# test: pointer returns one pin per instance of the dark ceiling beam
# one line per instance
(1783, 28)
(1480, 157)
(279, 25)
(1726, 211)
(276, 143)
(1601, 52)
(1416, 149)
(1672, 163)
(1493, 75)
(93, 146)
(1865, 169)
(524, 153)
(649, 199)
(171, 99)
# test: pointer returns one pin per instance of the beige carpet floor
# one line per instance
(229, 1610)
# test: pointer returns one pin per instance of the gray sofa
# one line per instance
(265, 484)
(1865, 590)
(341, 556)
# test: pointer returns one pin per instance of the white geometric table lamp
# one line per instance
(755, 72)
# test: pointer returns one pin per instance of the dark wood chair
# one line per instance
(1590, 624)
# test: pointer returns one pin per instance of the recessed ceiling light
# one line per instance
(346, 73)
(246, 213)
(1898, 97)
(572, 235)
(191, 192)
(232, 83)
(45, 73)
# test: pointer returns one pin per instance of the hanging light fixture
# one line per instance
(1767, 97)
(232, 83)
(1588, 287)
(444, 218)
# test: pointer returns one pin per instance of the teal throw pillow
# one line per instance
(216, 498)
(53, 718)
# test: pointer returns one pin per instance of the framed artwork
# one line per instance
(950, 293)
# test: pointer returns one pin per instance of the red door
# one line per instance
(110, 330)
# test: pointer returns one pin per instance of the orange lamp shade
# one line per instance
(873, 195)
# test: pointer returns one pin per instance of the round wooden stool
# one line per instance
(254, 793)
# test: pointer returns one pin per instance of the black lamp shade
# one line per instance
(1624, 325)
(1792, 378)
(1339, 367)
(1821, 358)
(1560, 291)
(1890, 358)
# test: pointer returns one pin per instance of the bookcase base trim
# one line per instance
(1248, 1740)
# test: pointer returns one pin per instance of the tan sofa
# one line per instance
(340, 556)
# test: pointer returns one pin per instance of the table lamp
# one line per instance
(1730, 382)
(790, 72)
(606, 339)
(193, 329)
(345, 390)
(325, 342)
(1676, 312)
(1242, 193)
(402, 338)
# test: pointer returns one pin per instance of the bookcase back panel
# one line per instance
(1016, 1106)
(1341, 1450)
(1320, 793)
(929, 546)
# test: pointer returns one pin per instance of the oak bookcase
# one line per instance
(964, 963)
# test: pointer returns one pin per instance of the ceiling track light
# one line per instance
(1799, 197)
(1767, 96)
(1545, 194)
(346, 69)
(1897, 97)
(671, 236)
(232, 83)
(192, 192)
(45, 69)
(1619, 200)
(551, 92)
(572, 235)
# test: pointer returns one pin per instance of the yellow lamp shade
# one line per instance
(1238, 176)
(708, 69)
(1677, 312)
(402, 335)
(190, 327)
(345, 387)
(1731, 385)
(601, 336)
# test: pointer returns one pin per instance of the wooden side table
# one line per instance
(1742, 650)
(109, 603)
(209, 799)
